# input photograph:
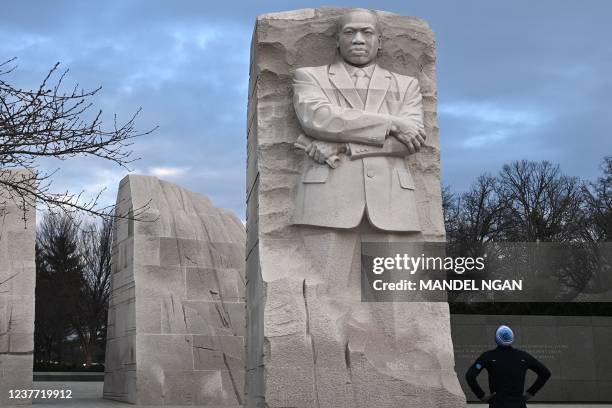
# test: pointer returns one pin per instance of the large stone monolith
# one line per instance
(176, 316)
(311, 341)
(17, 285)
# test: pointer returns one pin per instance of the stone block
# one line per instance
(290, 387)
(149, 388)
(570, 320)
(580, 390)
(603, 352)
(601, 320)
(15, 377)
(218, 352)
(20, 343)
(217, 389)
(147, 225)
(159, 281)
(289, 351)
(152, 352)
(579, 341)
(169, 254)
(17, 285)
(178, 272)
(19, 278)
(210, 318)
(148, 310)
(604, 390)
(543, 343)
(147, 251)
(124, 317)
(304, 309)
(542, 321)
(553, 391)
(20, 244)
(463, 320)
(214, 284)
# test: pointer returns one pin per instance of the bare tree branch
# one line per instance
(48, 122)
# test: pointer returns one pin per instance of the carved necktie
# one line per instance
(361, 83)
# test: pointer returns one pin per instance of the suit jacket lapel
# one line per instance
(342, 81)
(379, 85)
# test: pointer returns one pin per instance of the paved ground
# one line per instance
(89, 395)
(84, 395)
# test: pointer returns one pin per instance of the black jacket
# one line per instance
(506, 367)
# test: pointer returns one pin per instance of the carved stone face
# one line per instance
(358, 38)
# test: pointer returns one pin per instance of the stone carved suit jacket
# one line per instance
(373, 178)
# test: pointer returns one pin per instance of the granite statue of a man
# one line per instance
(368, 118)
(361, 114)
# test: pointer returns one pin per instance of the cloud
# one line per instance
(491, 123)
(16, 43)
(169, 172)
(89, 181)
(493, 113)
(530, 80)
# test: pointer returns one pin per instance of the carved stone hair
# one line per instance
(341, 20)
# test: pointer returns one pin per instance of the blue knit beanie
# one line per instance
(504, 336)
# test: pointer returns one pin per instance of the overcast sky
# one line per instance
(516, 80)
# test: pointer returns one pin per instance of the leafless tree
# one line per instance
(49, 122)
(73, 267)
(90, 317)
(450, 211)
(542, 203)
(475, 217)
(598, 203)
(529, 202)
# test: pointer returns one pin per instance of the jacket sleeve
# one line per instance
(542, 372)
(411, 110)
(471, 375)
(323, 120)
(391, 147)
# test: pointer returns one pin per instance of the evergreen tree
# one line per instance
(59, 281)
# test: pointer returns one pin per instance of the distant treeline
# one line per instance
(73, 272)
(525, 202)
(535, 202)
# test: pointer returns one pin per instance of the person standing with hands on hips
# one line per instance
(506, 367)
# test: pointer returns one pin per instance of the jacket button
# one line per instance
(370, 174)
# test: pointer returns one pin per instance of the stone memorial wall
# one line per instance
(17, 285)
(176, 316)
(576, 349)
(311, 341)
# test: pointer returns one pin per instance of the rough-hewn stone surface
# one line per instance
(311, 342)
(176, 315)
(17, 285)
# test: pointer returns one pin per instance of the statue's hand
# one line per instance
(320, 151)
(406, 133)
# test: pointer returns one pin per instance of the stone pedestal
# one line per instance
(176, 314)
(17, 285)
(311, 341)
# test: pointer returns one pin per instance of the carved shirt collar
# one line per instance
(369, 70)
